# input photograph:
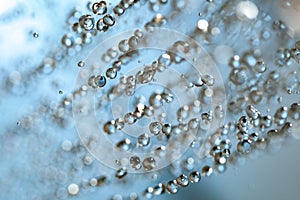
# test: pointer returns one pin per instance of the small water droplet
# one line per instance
(149, 163)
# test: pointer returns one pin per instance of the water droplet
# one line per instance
(118, 10)
(73, 189)
(244, 146)
(160, 152)
(155, 128)
(207, 171)
(130, 118)
(99, 8)
(123, 46)
(67, 145)
(195, 177)
(149, 163)
(35, 34)
(148, 193)
(109, 20)
(67, 40)
(260, 67)
(182, 180)
(87, 22)
(159, 189)
(164, 60)
(111, 73)
(101, 26)
(81, 63)
(135, 162)
(193, 123)
(172, 187)
(119, 124)
(109, 127)
(121, 173)
(124, 145)
(100, 81)
(143, 140)
(138, 33)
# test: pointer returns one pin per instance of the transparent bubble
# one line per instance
(35, 34)
(101, 26)
(143, 140)
(119, 123)
(260, 67)
(109, 127)
(121, 173)
(111, 73)
(109, 20)
(148, 193)
(99, 8)
(123, 46)
(149, 163)
(133, 41)
(182, 180)
(138, 33)
(81, 63)
(160, 152)
(167, 129)
(124, 145)
(195, 177)
(118, 10)
(100, 81)
(130, 118)
(67, 40)
(165, 60)
(207, 171)
(87, 22)
(244, 146)
(73, 189)
(135, 162)
(172, 187)
(155, 128)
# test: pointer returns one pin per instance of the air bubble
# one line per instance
(87, 22)
(109, 20)
(172, 187)
(155, 128)
(143, 140)
(73, 189)
(100, 81)
(124, 145)
(182, 180)
(111, 73)
(123, 46)
(81, 63)
(149, 163)
(101, 26)
(99, 8)
(135, 162)
(195, 177)
(130, 118)
(121, 173)
(207, 171)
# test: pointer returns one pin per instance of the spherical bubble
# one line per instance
(100, 81)
(101, 26)
(246, 10)
(87, 22)
(109, 20)
(99, 8)
(73, 189)
(203, 25)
